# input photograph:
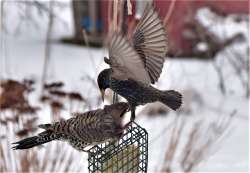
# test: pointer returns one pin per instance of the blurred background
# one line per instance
(52, 51)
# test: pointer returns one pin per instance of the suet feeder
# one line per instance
(130, 154)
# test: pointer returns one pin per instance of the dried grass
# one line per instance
(16, 124)
(198, 145)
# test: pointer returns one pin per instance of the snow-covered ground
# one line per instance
(197, 80)
(70, 63)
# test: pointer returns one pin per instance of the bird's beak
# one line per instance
(102, 93)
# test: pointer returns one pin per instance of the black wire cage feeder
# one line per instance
(130, 154)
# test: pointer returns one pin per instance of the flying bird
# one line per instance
(83, 129)
(134, 67)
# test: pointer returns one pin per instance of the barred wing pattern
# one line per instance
(150, 42)
(124, 60)
(83, 129)
(93, 126)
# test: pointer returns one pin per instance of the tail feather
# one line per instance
(172, 99)
(30, 142)
(44, 126)
(27, 143)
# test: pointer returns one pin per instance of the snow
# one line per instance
(70, 63)
(23, 58)
(215, 22)
(30, 21)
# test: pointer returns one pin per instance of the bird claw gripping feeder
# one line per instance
(130, 154)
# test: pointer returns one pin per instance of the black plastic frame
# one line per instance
(130, 154)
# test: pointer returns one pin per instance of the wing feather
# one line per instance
(150, 42)
(125, 61)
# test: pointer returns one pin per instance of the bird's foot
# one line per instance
(132, 118)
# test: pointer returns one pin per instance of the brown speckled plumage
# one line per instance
(83, 129)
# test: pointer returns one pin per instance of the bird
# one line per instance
(83, 129)
(135, 66)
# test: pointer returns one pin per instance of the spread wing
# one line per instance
(125, 62)
(150, 42)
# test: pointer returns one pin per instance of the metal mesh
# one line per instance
(129, 155)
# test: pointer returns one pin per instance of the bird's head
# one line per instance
(117, 111)
(103, 81)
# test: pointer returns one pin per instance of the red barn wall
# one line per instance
(183, 10)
